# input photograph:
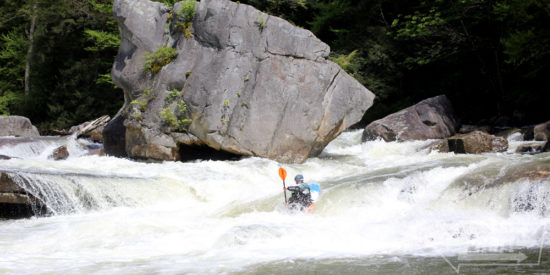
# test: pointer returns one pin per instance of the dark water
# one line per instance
(407, 264)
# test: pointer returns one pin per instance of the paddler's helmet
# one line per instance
(299, 177)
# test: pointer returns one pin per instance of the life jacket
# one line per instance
(300, 196)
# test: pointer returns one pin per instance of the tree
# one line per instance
(57, 58)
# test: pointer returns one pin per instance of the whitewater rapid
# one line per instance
(378, 199)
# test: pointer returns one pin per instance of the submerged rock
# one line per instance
(17, 126)
(530, 148)
(15, 202)
(542, 131)
(60, 153)
(473, 143)
(432, 118)
(242, 82)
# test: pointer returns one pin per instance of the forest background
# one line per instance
(491, 58)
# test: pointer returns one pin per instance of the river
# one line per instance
(385, 208)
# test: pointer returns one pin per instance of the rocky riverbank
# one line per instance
(434, 118)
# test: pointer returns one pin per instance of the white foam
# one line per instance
(222, 216)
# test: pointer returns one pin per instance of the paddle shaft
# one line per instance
(284, 190)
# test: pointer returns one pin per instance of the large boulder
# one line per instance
(475, 142)
(542, 131)
(17, 126)
(242, 82)
(432, 118)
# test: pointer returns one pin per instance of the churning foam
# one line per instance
(378, 198)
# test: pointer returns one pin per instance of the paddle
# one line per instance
(282, 174)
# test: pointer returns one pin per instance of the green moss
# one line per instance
(158, 59)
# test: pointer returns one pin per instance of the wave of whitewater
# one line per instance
(117, 216)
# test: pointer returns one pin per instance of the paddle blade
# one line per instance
(282, 173)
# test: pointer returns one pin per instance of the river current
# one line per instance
(385, 208)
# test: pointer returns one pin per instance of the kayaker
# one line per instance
(301, 195)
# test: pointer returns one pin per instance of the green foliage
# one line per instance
(260, 20)
(68, 65)
(7, 100)
(490, 57)
(184, 28)
(287, 9)
(188, 10)
(175, 115)
(172, 94)
(177, 121)
(142, 104)
(184, 17)
(168, 116)
(102, 40)
(347, 62)
(158, 59)
(12, 57)
(226, 103)
(145, 99)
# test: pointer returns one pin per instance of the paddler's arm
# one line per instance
(293, 188)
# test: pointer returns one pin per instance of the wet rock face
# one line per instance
(475, 142)
(534, 147)
(542, 131)
(15, 203)
(60, 153)
(17, 126)
(253, 85)
(432, 118)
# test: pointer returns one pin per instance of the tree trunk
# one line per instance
(30, 48)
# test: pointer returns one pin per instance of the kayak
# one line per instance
(314, 191)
